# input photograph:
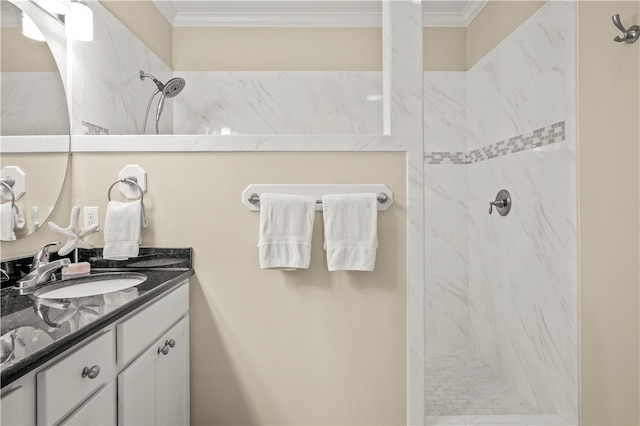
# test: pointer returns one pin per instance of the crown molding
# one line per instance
(472, 10)
(297, 19)
(461, 20)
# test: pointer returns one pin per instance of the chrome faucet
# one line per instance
(41, 269)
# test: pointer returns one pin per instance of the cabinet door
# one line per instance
(154, 389)
(172, 377)
(18, 403)
(136, 391)
(99, 410)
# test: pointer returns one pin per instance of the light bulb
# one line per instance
(29, 29)
(79, 21)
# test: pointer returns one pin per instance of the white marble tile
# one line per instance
(521, 84)
(446, 182)
(33, 103)
(445, 111)
(112, 95)
(279, 102)
(446, 310)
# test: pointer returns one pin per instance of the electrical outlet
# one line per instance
(91, 216)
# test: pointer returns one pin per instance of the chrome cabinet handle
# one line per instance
(92, 372)
(163, 350)
(171, 343)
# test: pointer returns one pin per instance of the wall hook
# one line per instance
(629, 35)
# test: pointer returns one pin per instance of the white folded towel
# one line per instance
(11, 218)
(350, 231)
(122, 229)
(286, 227)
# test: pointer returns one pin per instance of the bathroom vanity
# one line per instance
(114, 358)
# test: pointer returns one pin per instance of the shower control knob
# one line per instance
(502, 203)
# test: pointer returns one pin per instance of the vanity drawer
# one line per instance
(136, 333)
(65, 384)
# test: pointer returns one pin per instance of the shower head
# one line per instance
(173, 87)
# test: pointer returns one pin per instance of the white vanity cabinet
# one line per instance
(154, 389)
(134, 371)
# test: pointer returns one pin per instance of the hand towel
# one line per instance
(286, 227)
(350, 231)
(122, 229)
(11, 218)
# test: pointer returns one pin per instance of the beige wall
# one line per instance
(496, 21)
(147, 23)
(458, 49)
(21, 54)
(269, 347)
(609, 161)
(445, 49)
(266, 49)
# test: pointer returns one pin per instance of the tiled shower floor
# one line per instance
(458, 383)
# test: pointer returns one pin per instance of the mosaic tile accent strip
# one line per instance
(540, 137)
(459, 383)
(94, 129)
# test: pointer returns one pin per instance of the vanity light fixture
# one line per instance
(56, 7)
(29, 29)
(79, 21)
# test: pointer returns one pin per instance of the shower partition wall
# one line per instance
(501, 292)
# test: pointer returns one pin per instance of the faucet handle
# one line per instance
(42, 256)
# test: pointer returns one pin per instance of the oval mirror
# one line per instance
(34, 121)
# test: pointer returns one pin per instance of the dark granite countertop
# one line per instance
(34, 330)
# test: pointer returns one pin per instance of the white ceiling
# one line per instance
(312, 13)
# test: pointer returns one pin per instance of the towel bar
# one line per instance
(255, 198)
(251, 194)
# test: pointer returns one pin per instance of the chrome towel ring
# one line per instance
(130, 181)
(8, 182)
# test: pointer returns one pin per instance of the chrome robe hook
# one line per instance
(629, 35)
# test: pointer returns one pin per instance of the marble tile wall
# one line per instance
(279, 102)
(517, 274)
(33, 103)
(522, 267)
(446, 213)
(111, 96)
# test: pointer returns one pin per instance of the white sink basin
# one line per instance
(90, 285)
